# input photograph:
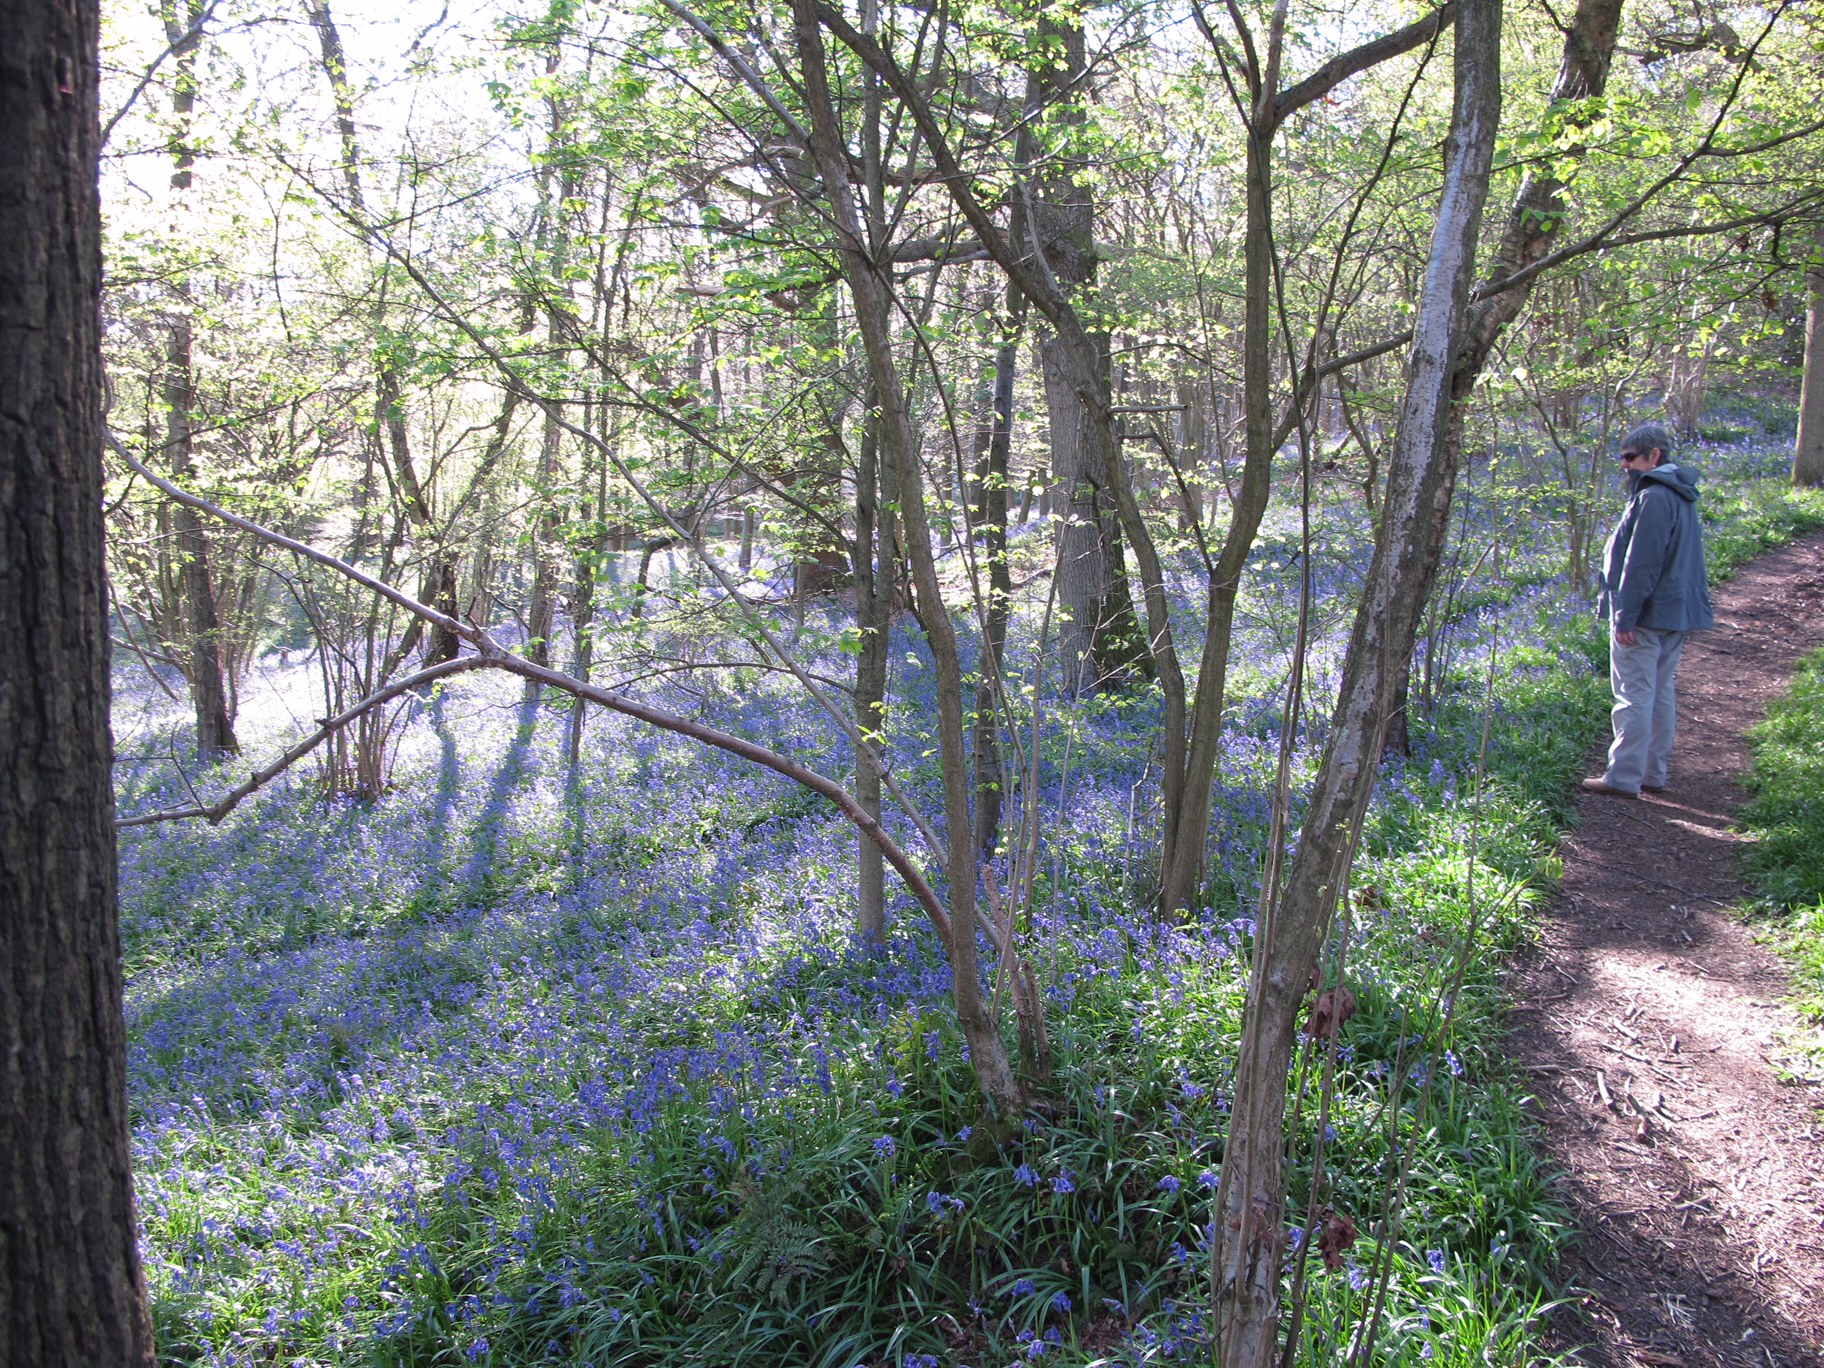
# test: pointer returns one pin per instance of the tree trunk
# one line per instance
(873, 309)
(1249, 1227)
(541, 611)
(202, 635)
(1534, 224)
(874, 560)
(1193, 737)
(541, 607)
(1193, 728)
(991, 526)
(72, 1293)
(1100, 637)
(1193, 449)
(642, 585)
(1808, 452)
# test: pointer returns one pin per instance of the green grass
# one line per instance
(1786, 817)
(1741, 523)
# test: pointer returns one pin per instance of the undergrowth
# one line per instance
(1786, 817)
(517, 1067)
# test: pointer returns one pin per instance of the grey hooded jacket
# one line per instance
(1653, 566)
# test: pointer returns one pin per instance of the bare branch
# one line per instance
(742, 66)
(380, 587)
(957, 181)
(182, 40)
(491, 654)
(214, 812)
(1340, 68)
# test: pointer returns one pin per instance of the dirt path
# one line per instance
(1647, 1020)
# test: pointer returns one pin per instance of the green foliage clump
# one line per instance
(1787, 813)
(1743, 522)
(1786, 817)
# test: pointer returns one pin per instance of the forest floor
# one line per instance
(1650, 1019)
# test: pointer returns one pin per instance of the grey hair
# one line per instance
(1650, 435)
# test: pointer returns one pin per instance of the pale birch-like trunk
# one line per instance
(1250, 1229)
(1808, 452)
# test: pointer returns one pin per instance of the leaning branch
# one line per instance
(182, 40)
(214, 812)
(1341, 67)
(491, 654)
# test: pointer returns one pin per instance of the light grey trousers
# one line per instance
(1645, 716)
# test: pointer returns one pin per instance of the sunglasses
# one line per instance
(1627, 456)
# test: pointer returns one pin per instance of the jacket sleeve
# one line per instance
(1649, 550)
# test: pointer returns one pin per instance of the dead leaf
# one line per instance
(1334, 1239)
(1333, 1007)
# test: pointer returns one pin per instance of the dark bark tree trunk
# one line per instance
(202, 629)
(560, 183)
(642, 583)
(202, 634)
(990, 518)
(1808, 452)
(1100, 637)
(591, 556)
(1250, 1232)
(72, 1294)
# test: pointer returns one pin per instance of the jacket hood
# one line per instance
(1681, 480)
